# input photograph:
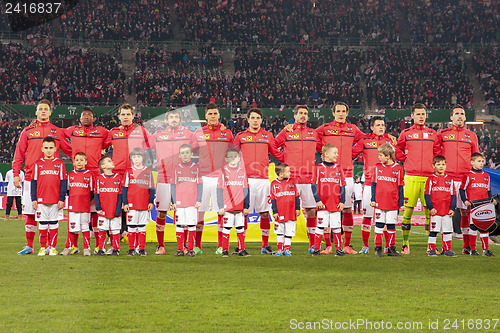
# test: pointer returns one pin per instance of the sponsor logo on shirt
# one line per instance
(108, 190)
(479, 185)
(387, 179)
(49, 172)
(285, 193)
(329, 180)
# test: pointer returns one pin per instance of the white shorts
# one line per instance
(26, 199)
(138, 217)
(78, 222)
(104, 223)
(306, 195)
(163, 197)
(260, 195)
(367, 199)
(47, 213)
(186, 216)
(233, 220)
(441, 223)
(386, 216)
(328, 219)
(287, 228)
(460, 203)
(349, 192)
(209, 192)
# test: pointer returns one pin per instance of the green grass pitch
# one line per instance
(255, 294)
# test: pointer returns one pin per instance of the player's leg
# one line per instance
(367, 219)
(228, 223)
(391, 217)
(434, 229)
(115, 226)
(290, 228)
(30, 226)
(239, 224)
(260, 201)
(132, 233)
(208, 203)
(54, 214)
(180, 222)
(163, 199)
(19, 206)
(279, 230)
(43, 230)
(84, 227)
(485, 243)
(447, 229)
(379, 230)
(347, 219)
(141, 232)
(309, 205)
(465, 227)
(411, 193)
(323, 220)
(103, 226)
(191, 217)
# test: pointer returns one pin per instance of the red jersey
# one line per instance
(124, 139)
(388, 179)
(419, 145)
(89, 140)
(108, 188)
(343, 136)
(285, 193)
(80, 185)
(476, 185)
(187, 177)
(329, 180)
(457, 144)
(440, 188)
(369, 147)
(167, 143)
(299, 150)
(29, 147)
(232, 181)
(138, 181)
(255, 149)
(48, 175)
(212, 143)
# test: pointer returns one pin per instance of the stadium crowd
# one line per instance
(65, 75)
(401, 77)
(488, 74)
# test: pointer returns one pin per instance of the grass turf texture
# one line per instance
(259, 293)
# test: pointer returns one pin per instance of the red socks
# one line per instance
(30, 230)
(160, 231)
(241, 240)
(131, 240)
(265, 227)
(347, 223)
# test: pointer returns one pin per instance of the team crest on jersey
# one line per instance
(80, 132)
(120, 134)
(320, 219)
(337, 173)
(374, 144)
(264, 135)
(334, 131)
(37, 133)
(249, 138)
(163, 137)
(452, 136)
(130, 218)
(38, 214)
(207, 136)
(309, 133)
(223, 133)
(296, 136)
(377, 215)
(86, 179)
(395, 172)
(447, 182)
(241, 176)
(291, 186)
(72, 225)
(116, 183)
(467, 135)
(415, 136)
(53, 131)
(226, 220)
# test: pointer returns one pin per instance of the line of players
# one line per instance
(416, 146)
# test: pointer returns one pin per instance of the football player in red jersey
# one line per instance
(138, 195)
(212, 140)
(387, 198)
(256, 144)
(186, 183)
(233, 199)
(329, 192)
(90, 140)
(441, 199)
(48, 192)
(476, 186)
(285, 201)
(80, 194)
(29, 150)
(108, 202)
(167, 143)
(299, 150)
(457, 144)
